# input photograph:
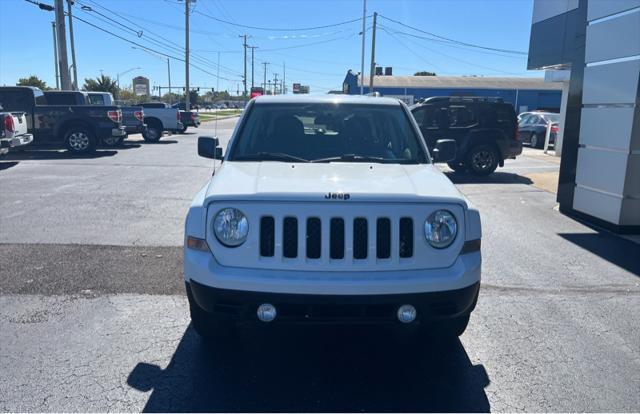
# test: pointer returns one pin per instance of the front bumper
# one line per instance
(241, 306)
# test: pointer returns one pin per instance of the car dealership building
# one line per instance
(596, 43)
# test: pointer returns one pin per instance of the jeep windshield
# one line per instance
(327, 132)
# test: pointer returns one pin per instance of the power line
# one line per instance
(278, 29)
(150, 49)
(467, 48)
(448, 56)
(311, 44)
(517, 52)
(171, 44)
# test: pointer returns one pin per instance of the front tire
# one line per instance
(80, 140)
(182, 130)
(482, 160)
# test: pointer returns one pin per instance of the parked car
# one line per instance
(485, 130)
(13, 131)
(160, 117)
(78, 127)
(132, 116)
(533, 128)
(328, 209)
(188, 119)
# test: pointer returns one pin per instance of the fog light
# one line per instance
(407, 313)
(266, 312)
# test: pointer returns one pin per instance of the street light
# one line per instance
(168, 67)
(122, 73)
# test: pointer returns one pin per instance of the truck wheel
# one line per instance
(113, 141)
(482, 160)
(458, 167)
(153, 133)
(207, 325)
(182, 130)
(80, 140)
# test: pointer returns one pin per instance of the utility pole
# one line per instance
(275, 83)
(264, 83)
(187, 96)
(284, 78)
(252, 62)
(244, 80)
(63, 62)
(55, 54)
(169, 76)
(364, 31)
(73, 47)
(373, 52)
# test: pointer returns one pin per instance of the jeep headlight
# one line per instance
(440, 229)
(231, 227)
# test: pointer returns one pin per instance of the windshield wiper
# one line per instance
(269, 156)
(364, 158)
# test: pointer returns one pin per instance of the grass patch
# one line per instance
(210, 116)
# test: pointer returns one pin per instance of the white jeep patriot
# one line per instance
(329, 209)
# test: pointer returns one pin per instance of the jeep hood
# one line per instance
(280, 181)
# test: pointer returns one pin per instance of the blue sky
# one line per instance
(319, 57)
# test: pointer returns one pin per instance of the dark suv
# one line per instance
(485, 130)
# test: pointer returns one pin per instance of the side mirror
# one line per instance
(445, 150)
(208, 148)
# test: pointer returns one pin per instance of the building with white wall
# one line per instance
(598, 41)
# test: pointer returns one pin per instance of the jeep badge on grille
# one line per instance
(337, 196)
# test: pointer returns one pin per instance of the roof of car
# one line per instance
(337, 99)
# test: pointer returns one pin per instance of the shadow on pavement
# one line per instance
(327, 369)
(616, 250)
(495, 178)
(52, 154)
(7, 165)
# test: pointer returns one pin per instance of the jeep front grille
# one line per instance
(385, 234)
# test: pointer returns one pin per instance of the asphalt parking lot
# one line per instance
(93, 315)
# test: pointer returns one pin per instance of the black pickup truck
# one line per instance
(78, 127)
(132, 116)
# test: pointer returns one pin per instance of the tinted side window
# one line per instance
(426, 116)
(462, 116)
(15, 100)
(61, 98)
(96, 99)
(40, 98)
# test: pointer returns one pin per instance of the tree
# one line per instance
(126, 94)
(33, 80)
(171, 97)
(424, 73)
(101, 84)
